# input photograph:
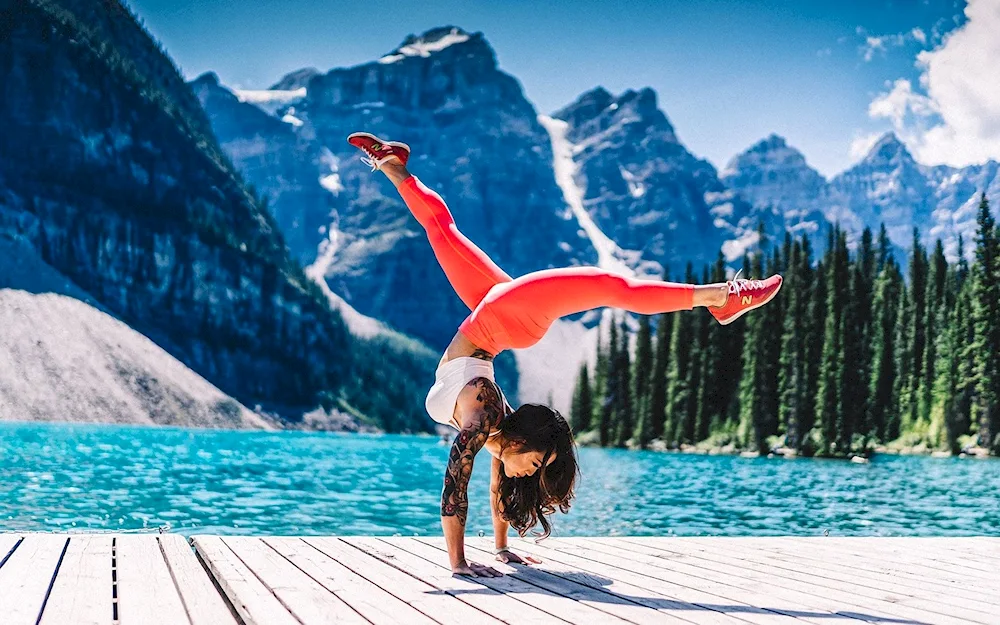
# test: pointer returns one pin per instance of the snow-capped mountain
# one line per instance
(644, 189)
(886, 186)
(604, 180)
(476, 140)
(782, 188)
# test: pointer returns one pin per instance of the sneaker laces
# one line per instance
(371, 160)
(737, 285)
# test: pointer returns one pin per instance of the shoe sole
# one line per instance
(754, 307)
(369, 135)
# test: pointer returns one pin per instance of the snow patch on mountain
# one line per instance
(270, 100)
(610, 256)
(425, 46)
(359, 325)
(331, 181)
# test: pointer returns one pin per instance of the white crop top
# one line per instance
(449, 380)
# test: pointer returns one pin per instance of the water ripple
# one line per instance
(90, 478)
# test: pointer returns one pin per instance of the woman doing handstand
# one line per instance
(534, 459)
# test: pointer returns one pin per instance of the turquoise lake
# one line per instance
(87, 478)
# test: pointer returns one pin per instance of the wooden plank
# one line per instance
(780, 551)
(542, 598)
(823, 590)
(853, 568)
(147, 594)
(726, 583)
(204, 604)
(302, 596)
(688, 602)
(896, 557)
(26, 576)
(573, 584)
(7, 544)
(82, 592)
(364, 597)
(251, 599)
(416, 592)
(504, 607)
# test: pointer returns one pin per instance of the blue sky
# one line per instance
(728, 73)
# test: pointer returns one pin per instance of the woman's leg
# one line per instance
(555, 293)
(518, 315)
(469, 270)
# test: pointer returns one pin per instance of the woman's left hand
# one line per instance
(509, 557)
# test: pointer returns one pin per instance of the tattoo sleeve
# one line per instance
(470, 439)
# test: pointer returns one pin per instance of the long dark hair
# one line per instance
(526, 501)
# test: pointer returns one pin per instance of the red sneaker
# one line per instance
(379, 152)
(744, 296)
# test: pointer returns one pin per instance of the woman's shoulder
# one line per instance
(480, 398)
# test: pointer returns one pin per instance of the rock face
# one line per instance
(785, 192)
(280, 164)
(476, 140)
(887, 185)
(109, 169)
(643, 188)
(66, 358)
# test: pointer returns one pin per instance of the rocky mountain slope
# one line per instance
(66, 358)
(886, 186)
(110, 171)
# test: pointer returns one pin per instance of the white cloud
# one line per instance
(871, 45)
(898, 102)
(861, 145)
(954, 115)
(882, 43)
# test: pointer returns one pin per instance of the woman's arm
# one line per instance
(500, 525)
(481, 413)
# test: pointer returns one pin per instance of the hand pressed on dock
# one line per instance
(472, 569)
(509, 557)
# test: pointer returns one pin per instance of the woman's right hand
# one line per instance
(471, 569)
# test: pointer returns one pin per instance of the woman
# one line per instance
(534, 461)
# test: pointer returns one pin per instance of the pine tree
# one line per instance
(934, 300)
(986, 321)
(792, 358)
(609, 398)
(582, 409)
(830, 394)
(903, 363)
(918, 330)
(643, 363)
(657, 409)
(624, 423)
(677, 372)
(888, 288)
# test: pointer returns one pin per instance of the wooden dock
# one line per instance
(129, 579)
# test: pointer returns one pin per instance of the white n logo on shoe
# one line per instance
(747, 299)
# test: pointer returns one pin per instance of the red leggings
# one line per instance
(508, 313)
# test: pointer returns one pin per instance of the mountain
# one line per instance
(886, 186)
(67, 358)
(110, 172)
(643, 188)
(476, 140)
(785, 192)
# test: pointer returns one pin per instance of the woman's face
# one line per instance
(518, 463)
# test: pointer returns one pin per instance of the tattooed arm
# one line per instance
(481, 408)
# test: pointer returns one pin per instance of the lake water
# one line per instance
(83, 477)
